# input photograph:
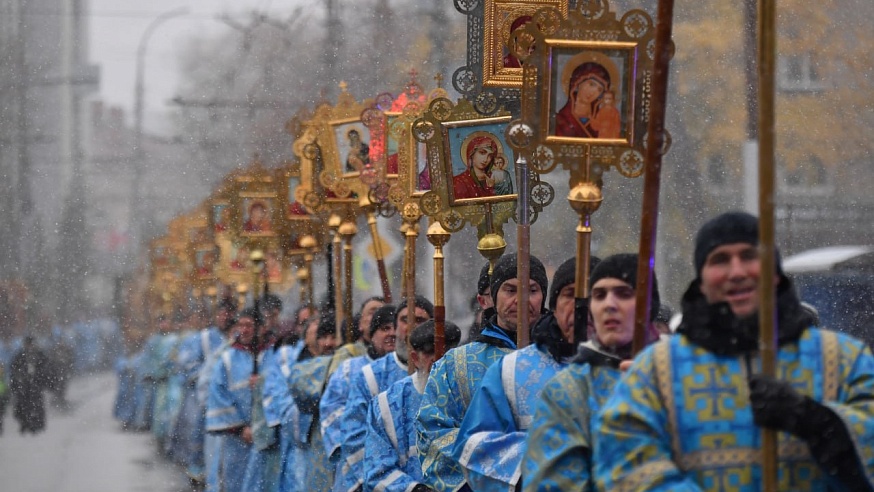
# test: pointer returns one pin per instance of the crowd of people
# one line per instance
(251, 403)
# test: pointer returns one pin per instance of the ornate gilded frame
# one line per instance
(435, 129)
(592, 33)
(484, 80)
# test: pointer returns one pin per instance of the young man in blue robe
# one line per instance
(559, 448)
(229, 406)
(689, 413)
(373, 379)
(391, 459)
(191, 424)
(381, 337)
(308, 378)
(456, 377)
(491, 438)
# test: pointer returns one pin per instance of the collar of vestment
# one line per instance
(494, 335)
(547, 335)
(715, 328)
(589, 353)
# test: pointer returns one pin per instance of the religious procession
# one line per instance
(670, 327)
(573, 376)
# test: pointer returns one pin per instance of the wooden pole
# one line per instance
(655, 146)
(336, 249)
(523, 257)
(767, 312)
(380, 259)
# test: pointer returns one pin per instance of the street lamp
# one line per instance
(139, 90)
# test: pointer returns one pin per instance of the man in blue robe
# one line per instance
(391, 459)
(373, 379)
(306, 383)
(148, 372)
(358, 346)
(456, 377)
(559, 448)
(193, 355)
(689, 413)
(229, 406)
(167, 384)
(381, 339)
(491, 438)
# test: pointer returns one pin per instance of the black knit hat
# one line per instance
(422, 337)
(327, 324)
(482, 284)
(505, 269)
(624, 267)
(728, 228)
(385, 315)
(421, 302)
(566, 275)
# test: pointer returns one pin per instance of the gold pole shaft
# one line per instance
(438, 236)
(767, 312)
(652, 178)
(337, 251)
(348, 231)
(410, 281)
(380, 260)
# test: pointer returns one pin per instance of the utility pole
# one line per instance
(135, 221)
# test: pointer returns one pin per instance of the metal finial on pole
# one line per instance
(438, 236)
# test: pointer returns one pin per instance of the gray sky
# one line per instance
(118, 25)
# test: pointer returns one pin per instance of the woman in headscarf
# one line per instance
(587, 85)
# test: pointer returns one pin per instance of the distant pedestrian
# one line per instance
(29, 376)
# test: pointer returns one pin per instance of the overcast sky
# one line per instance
(116, 29)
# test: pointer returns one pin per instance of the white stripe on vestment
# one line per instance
(285, 366)
(411, 487)
(204, 341)
(385, 482)
(508, 382)
(470, 446)
(220, 411)
(399, 363)
(295, 423)
(238, 386)
(353, 458)
(388, 422)
(370, 379)
(336, 414)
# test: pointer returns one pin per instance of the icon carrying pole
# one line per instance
(655, 148)
(523, 248)
(411, 234)
(767, 312)
(336, 252)
(438, 236)
(348, 231)
(585, 198)
(369, 209)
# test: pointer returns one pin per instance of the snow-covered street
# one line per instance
(84, 449)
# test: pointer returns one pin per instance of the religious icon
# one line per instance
(423, 174)
(594, 93)
(295, 208)
(481, 167)
(204, 262)
(257, 215)
(352, 143)
(221, 217)
(239, 258)
(273, 265)
(510, 60)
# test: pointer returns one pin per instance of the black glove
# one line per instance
(776, 405)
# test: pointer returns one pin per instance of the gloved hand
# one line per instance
(776, 405)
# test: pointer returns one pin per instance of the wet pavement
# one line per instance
(83, 449)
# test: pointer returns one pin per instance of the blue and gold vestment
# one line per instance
(333, 402)
(491, 440)
(451, 385)
(373, 378)
(307, 380)
(680, 419)
(558, 452)
(391, 460)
